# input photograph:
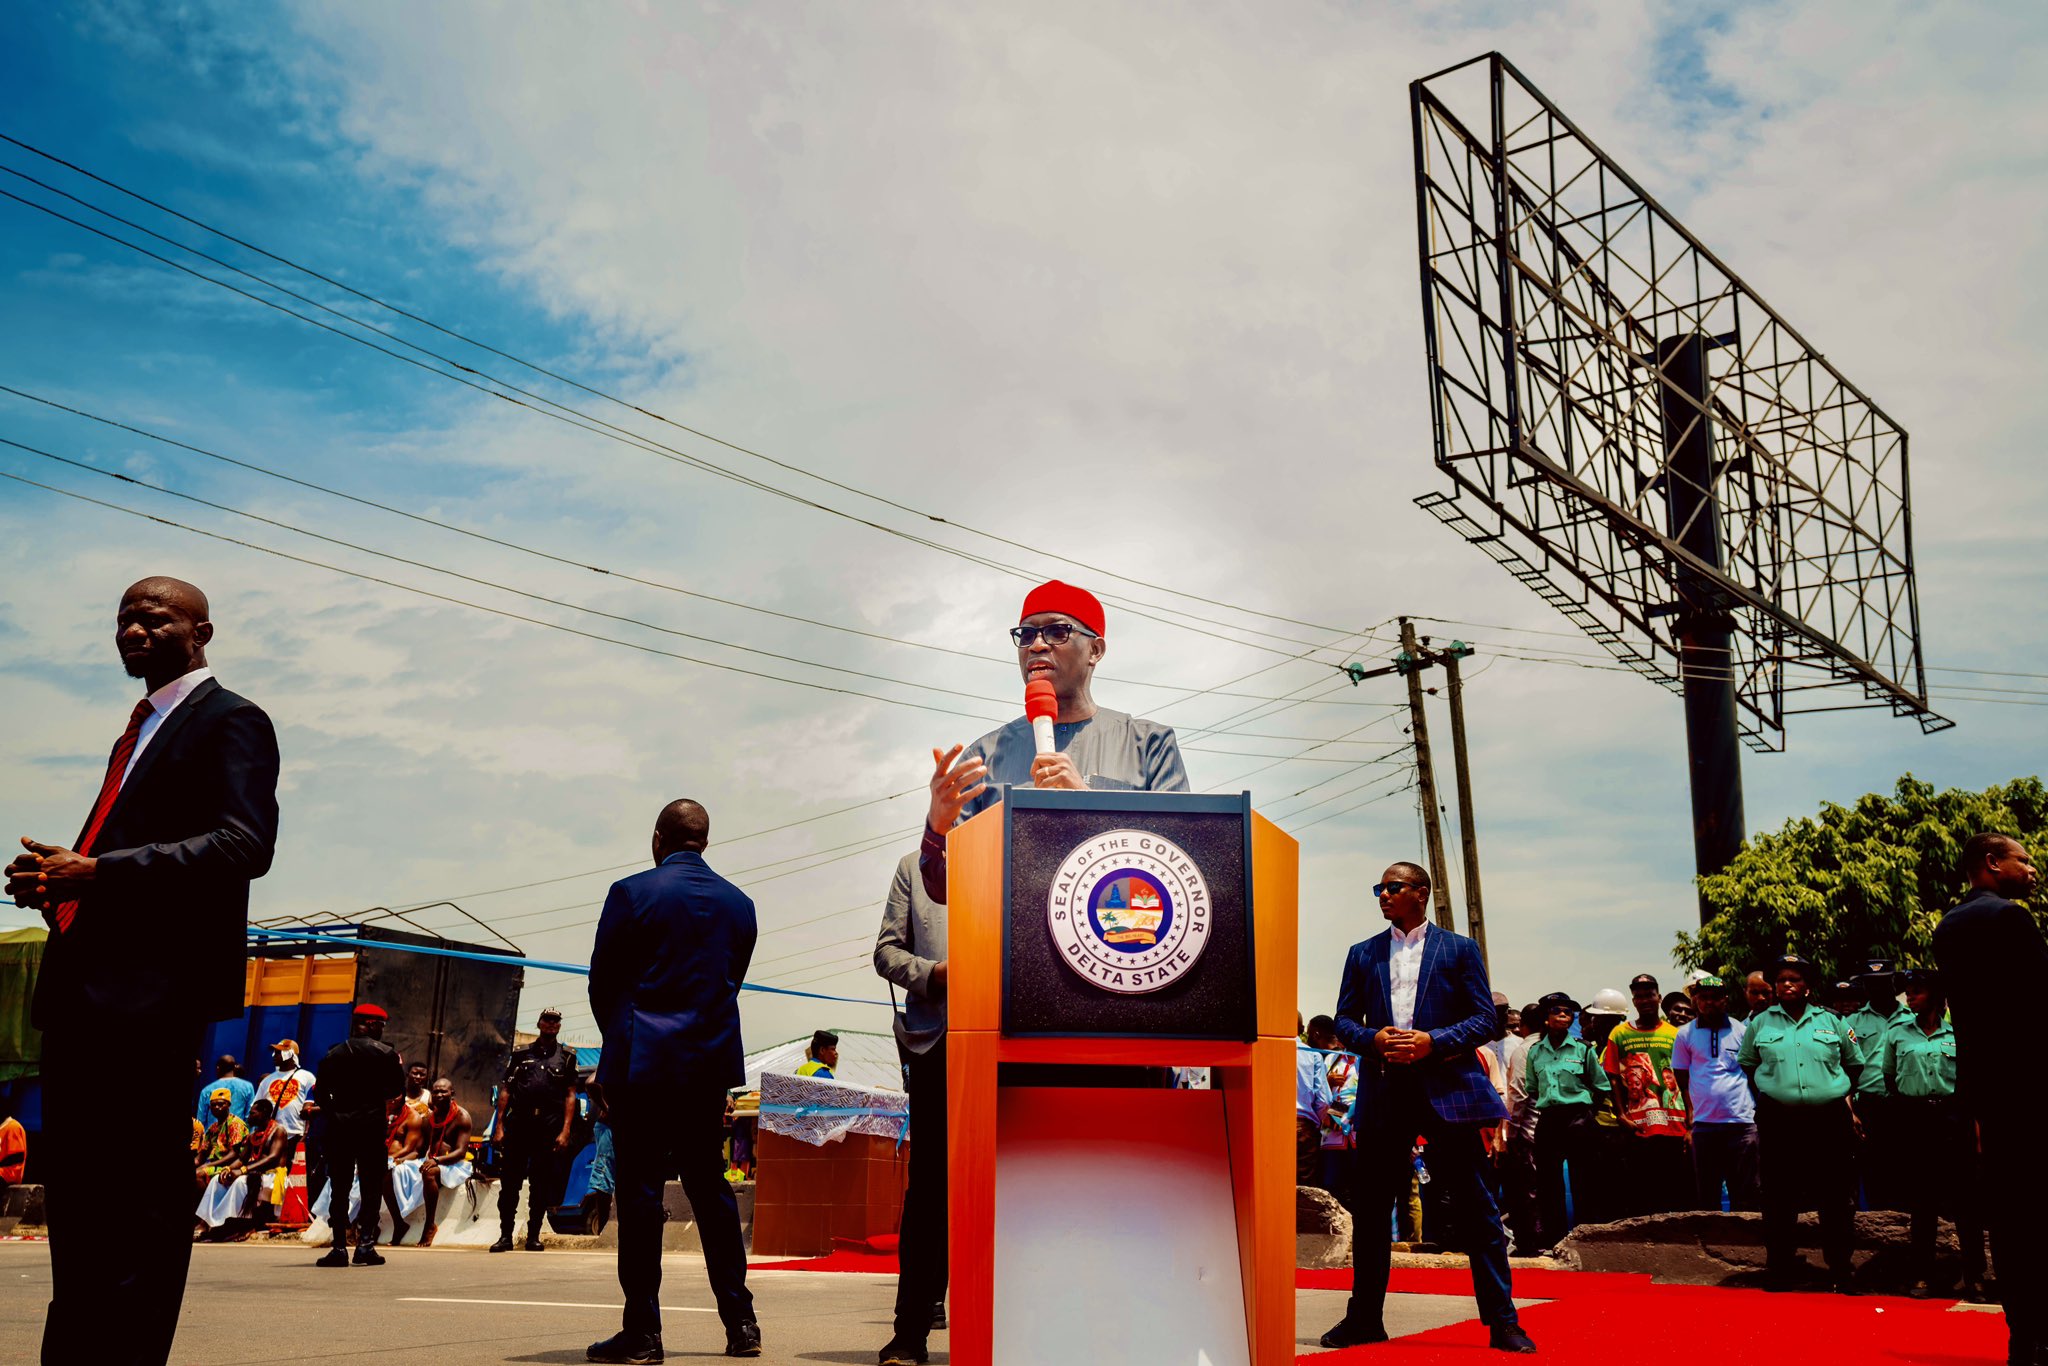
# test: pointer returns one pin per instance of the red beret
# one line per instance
(374, 1012)
(1067, 600)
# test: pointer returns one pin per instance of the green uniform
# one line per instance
(1919, 1065)
(1565, 1074)
(1870, 1026)
(1799, 1062)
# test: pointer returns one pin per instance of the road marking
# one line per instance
(548, 1304)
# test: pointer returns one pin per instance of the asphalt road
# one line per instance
(267, 1302)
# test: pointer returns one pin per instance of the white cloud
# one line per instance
(1131, 284)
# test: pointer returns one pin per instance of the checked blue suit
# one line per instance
(1445, 1099)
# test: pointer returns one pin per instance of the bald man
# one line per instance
(185, 817)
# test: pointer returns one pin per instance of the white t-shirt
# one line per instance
(287, 1090)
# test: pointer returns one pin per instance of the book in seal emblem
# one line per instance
(1129, 911)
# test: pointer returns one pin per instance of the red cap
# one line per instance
(1041, 700)
(1067, 600)
(374, 1012)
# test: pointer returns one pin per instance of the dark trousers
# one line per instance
(527, 1155)
(1336, 1172)
(119, 1187)
(1518, 1193)
(1657, 1177)
(659, 1133)
(1944, 1145)
(1564, 1135)
(316, 1156)
(1457, 1160)
(355, 1151)
(1724, 1154)
(1878, 1155)
(1805, 1159)
(2017, 1201)
(922, 1248)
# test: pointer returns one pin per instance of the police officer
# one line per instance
(536, 1112)
(1881, 1159)
(1800, 1056)
(1919, 1063)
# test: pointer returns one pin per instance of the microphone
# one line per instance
(1041, 705)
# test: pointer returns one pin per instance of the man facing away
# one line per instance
(359, 1079)
(672, 949)
(1415, 1006)
(240, 1092)
(185, 819)
(1993, 961)
(1059, 639)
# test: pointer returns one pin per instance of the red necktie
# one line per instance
(117, 769)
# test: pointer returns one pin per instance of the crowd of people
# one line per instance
(1644, 1103)
(1795, 1093)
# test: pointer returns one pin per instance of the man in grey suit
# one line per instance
(911, 952)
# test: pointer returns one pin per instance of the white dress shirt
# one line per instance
(164, 700)
(1404, 972)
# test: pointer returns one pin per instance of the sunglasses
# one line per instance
(1057, 633)
(1394, 888)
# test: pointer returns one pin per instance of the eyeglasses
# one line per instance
(1394, 888)
(1055, 633)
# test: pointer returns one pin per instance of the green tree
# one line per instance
(1869, 879)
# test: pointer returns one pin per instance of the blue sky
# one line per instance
(1166, 266)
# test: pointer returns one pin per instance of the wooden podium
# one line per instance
(1131, 1223)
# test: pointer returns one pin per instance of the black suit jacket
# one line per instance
(1993, 962)
(672, 948)
(163, 933)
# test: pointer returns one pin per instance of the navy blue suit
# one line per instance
(1445, 1099)
(672, 948)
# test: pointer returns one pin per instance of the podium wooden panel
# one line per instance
(1254, 1076)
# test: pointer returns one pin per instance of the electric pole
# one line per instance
(1411, 663)
(1468, 835)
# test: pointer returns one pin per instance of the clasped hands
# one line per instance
(1402, 1047)
(48, 874)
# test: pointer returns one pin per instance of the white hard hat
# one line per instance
(1607, 1001)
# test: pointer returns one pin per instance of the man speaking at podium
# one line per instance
(1416, 1008)
(1059, 638)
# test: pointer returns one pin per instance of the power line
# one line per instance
(576, 417)
(478, 606)
(641, 862)
(564, 603)
(1347, 810)
(573, 383)
(565, 560)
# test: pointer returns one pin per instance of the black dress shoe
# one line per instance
(366, 1255)
(504, 1243)
(626, 1347)
(743, 1340)
(335, 1257)
(1349, 1334)
(903, 1351)
(1511, 1340)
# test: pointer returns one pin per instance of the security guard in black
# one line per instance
(536, 1111)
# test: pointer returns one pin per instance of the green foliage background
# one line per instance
(1869, 879)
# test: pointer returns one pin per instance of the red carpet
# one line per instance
(1593, 1318)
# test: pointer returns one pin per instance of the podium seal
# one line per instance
(1129, 911)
